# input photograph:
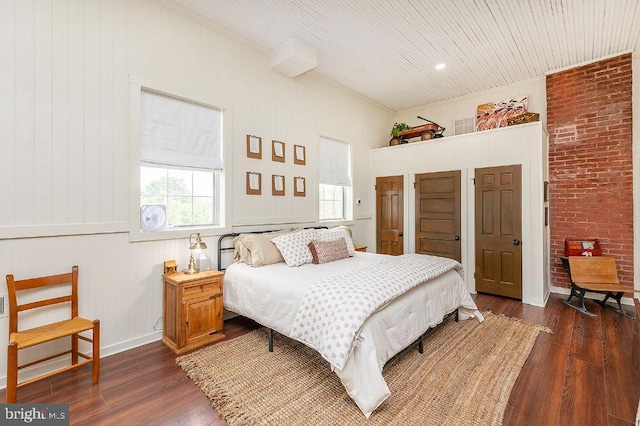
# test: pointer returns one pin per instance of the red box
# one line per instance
(578, 246)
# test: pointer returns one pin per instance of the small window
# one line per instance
(335, 180)
(180, 163)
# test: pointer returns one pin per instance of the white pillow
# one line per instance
(294, 247)
(335, 233)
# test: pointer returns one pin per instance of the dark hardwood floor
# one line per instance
(581, 374)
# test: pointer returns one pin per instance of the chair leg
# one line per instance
(12, 373)
(617, 297)
(579, 294)
(74, 350)
(96, 351)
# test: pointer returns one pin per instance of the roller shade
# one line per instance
(179, 133)
(334, 162)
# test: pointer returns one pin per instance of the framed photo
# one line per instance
(277, 151)
(254, 183)
(299, 155)
(277, 185)
(299, 186)
(254, 147)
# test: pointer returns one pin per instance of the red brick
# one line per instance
(589, 120)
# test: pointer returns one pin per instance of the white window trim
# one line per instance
(136, 85)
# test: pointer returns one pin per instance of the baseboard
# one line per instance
(46, 367)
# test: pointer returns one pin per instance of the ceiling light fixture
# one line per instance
(441, 66)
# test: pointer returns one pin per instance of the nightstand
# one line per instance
(192, 310)
(360, 248)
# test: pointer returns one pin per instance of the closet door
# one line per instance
(438, 207)
(389, 215)
(498, 199)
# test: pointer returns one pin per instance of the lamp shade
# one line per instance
(198, 244)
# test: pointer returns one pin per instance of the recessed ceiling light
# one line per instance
(441, 66)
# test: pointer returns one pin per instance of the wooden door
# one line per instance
(389, 215)
(438, 206)
(498, 229)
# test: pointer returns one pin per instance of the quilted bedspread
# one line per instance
(333, 310)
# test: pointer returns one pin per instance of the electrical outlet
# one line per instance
(4, 305)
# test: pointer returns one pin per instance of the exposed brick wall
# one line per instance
(590, 161)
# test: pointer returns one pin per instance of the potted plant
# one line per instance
(395, 131)
(399, 127)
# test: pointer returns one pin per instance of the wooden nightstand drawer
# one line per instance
(202, 289)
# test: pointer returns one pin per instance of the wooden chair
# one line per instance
(21, 339)
(597, 274)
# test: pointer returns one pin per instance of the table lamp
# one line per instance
(195, 247)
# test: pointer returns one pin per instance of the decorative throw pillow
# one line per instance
(261, 250)
(335, 233)
(328, 251)
(294, 247)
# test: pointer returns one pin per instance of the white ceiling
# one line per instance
(387, 49)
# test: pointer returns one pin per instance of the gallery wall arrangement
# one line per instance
(278, 155)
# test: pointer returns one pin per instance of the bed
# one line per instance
(285, 299)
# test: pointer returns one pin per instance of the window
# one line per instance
(188, 195)
(180, 163)
(335, 180)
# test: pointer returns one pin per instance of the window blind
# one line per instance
(334, 162)
(175, 132)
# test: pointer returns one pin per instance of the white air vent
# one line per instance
(464, 125)
(153, 217)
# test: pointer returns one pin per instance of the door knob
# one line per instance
(400, 234)
(456, 238)
(516, 242)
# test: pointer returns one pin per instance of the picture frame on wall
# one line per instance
(299, 155)
(254, 147)
(299, 186)
(277, 151)
(254, 183)
(277, 185)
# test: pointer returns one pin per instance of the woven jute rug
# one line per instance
(464, 377)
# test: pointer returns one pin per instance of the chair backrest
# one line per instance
(14, 287)
(593, 269)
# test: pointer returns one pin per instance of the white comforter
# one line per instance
(271, 295)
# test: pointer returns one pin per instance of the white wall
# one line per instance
(64, 130)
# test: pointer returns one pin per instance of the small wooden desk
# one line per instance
(597, 274)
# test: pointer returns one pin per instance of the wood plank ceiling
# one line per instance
(387, 49)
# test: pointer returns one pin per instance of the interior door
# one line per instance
(498, 229)
(389, 215)
(438, 207)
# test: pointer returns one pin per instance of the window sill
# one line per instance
(172, 234)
